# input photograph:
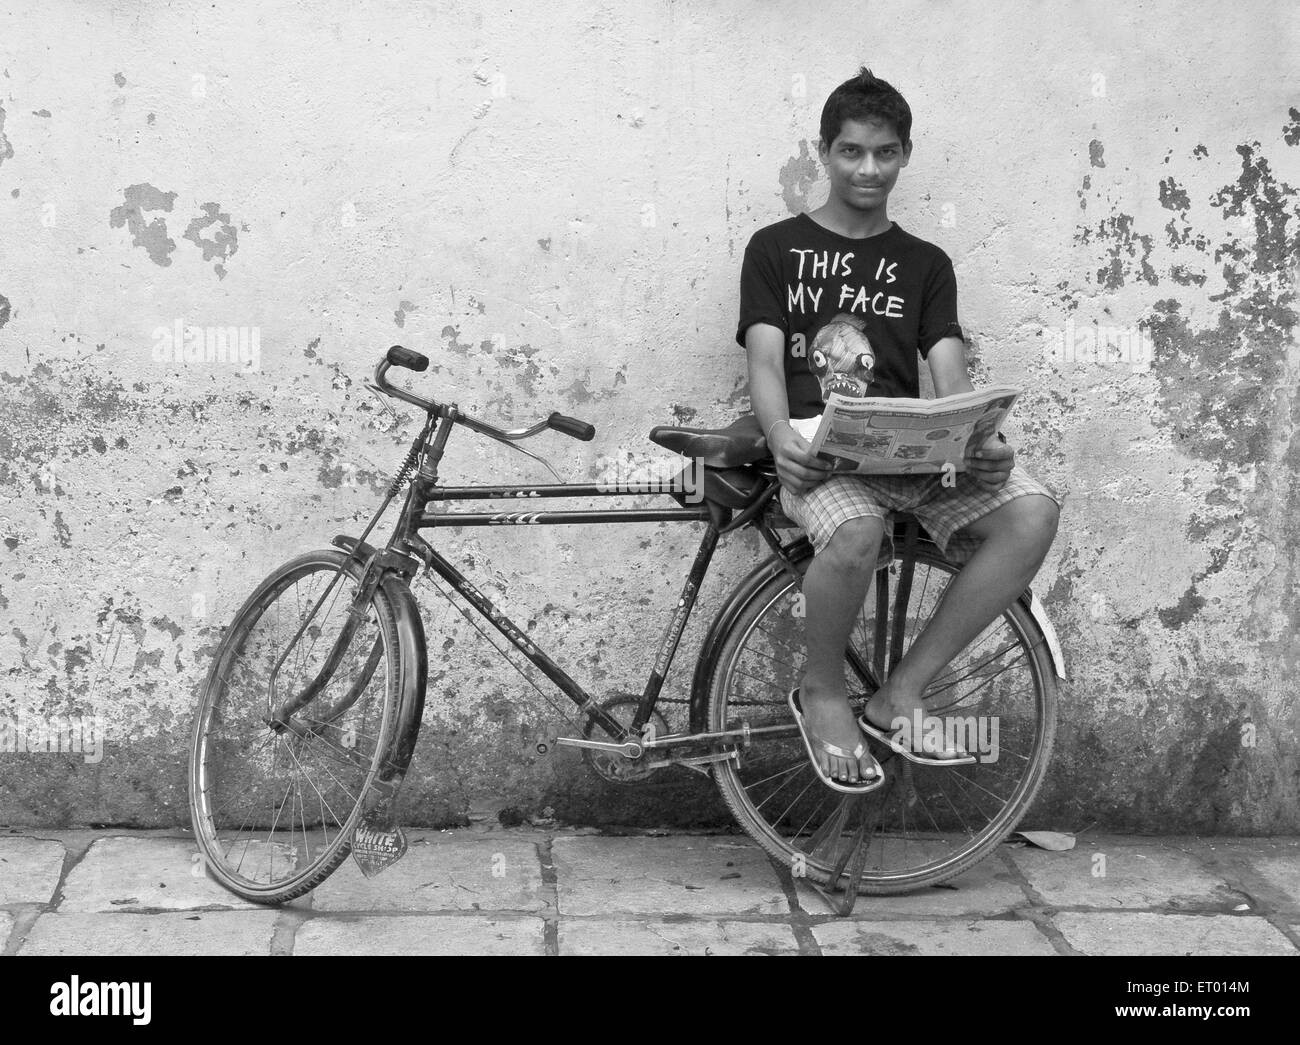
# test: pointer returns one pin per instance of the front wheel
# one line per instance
(926, 824)
(274, 808)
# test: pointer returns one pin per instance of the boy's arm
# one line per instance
(990, 464)
(797, 466)
(947, 359)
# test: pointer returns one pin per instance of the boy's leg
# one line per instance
(834, 589)
(1016, 535)
(845, 523)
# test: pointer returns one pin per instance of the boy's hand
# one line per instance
(991, 464)
(798, 467)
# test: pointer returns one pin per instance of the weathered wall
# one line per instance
(551, 202)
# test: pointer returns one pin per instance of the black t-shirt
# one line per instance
(798, 275)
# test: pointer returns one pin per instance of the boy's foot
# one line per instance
(879, 719)
(828, 720)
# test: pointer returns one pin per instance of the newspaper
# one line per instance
(887, 436)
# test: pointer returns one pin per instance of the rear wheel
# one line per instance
(926, 824)
(274, 808)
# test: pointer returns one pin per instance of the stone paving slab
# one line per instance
(169, 935)
(1283, 873)
(441, 872)
(1154, 933)
(674, 937)
(126, 873)
(987, 888)
(29, 869)
(1269, 868)
(949, 936)
(1110, 873)
(694, 875)
(420, 935)
(6, 927)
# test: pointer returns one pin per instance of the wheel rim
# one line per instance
(925, 823)
(271, 809)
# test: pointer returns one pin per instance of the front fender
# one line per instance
(411, 686)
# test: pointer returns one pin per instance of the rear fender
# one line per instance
(1034, 605)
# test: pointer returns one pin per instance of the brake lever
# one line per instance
(529, 453)
(374, 390)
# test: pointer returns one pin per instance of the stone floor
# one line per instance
(526, 891)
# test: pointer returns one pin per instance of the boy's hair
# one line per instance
(864, 97)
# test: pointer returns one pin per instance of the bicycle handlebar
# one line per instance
(410, 360)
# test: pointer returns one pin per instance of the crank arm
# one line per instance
(628, 749)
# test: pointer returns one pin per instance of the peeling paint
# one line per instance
(403, 308)
(1188, 606)
(797, 177)
(224, 241)
(452, 337)
(1122, 242)
(5, 311)
(1172, 197)
(152, 236)
(6, 150)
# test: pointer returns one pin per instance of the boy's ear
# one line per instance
(823, 149)
(907, 154)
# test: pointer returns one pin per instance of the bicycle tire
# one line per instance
(360, 761)
(731, 700)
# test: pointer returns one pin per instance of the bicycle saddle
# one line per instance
(741, 442)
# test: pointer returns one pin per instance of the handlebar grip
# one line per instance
(399, 356)
(572, 426)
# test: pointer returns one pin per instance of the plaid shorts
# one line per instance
(942, 510)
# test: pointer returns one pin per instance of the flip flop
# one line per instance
(838, 752)
(891, 740)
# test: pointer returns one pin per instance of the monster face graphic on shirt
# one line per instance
(841, 357)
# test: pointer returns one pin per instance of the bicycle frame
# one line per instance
(672, 635)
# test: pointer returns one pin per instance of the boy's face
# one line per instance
(863, 163)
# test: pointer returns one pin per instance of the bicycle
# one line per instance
(301, 742)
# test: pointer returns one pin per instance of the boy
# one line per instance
(847, 257)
